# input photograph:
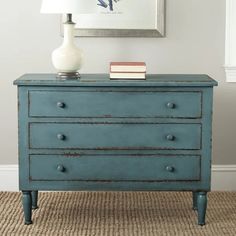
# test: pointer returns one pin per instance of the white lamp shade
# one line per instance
(68, 6)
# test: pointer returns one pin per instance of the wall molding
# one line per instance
(230, 41)
(230, 73)
(223, 178)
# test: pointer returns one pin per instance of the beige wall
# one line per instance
(194, 44)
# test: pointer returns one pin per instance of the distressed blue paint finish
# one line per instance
(124, 104)
(97, 134)
(114, 168)
(27, 206)
(194, 200)
(102, 80)
(201, 206)
(34, 196)
(114, 136)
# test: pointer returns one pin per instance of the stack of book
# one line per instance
(128, 70)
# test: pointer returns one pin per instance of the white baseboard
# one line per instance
(223, 178)
(9, 178)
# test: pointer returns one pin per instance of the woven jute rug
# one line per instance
(118, 213)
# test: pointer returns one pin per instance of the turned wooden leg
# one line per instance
(194, 201)
(34, 196)
(201, 206)
(27, 206)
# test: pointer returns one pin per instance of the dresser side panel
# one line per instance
(23, 130)
(207, 137)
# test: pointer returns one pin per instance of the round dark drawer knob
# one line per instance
(170, 168)
(61, 104)
(170, 105)
(61, 136)
(170, 137)
(61, 168)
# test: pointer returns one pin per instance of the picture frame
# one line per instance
(123, 18)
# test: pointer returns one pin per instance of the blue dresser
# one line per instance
(100, 135)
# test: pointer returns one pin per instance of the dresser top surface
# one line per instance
(103, 80)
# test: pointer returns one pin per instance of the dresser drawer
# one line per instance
(114, 104)
(114, 136)
(114, 168)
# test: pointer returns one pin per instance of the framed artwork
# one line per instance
(123, 18)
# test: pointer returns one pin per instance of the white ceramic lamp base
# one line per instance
(67, 59)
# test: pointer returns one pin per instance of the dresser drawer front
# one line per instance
(114, 136)
(114, 104)
(114, 168)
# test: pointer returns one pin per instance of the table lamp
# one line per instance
(67, 59)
